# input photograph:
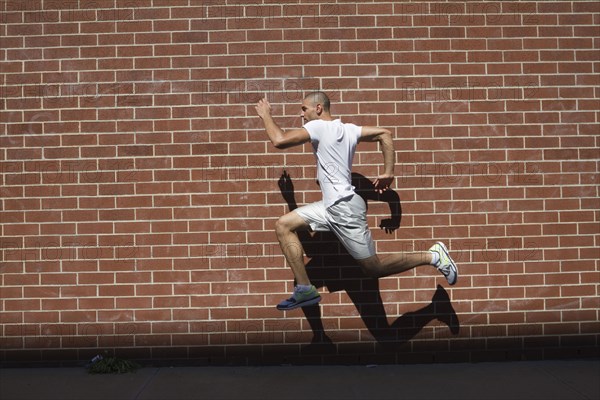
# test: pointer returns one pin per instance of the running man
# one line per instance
(341, 211)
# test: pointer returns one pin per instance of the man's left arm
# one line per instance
(384, 137)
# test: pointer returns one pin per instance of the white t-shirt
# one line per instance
(334, 144)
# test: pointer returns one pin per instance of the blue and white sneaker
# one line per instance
(300, 299)
(445, 264)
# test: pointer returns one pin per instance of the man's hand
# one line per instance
(263, 108)
(382, 183)
(279, 138)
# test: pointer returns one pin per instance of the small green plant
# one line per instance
(112, 365)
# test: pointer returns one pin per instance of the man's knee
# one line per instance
(290, 222)
(370, 266)
(281, 226)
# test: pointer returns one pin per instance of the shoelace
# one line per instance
(294, 296)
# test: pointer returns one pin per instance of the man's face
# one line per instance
(309, 110)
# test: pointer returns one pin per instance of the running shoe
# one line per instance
(300, 299)
(445, 264)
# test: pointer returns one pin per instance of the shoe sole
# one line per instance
(302, 304)
(452, 263)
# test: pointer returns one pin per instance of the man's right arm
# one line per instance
(277, 136)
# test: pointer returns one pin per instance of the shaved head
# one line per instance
(319, 98)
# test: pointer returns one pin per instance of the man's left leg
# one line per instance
(305, 294)
(292, 249)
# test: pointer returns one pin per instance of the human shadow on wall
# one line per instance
(332, 267)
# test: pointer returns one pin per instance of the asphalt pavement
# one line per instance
(558, 379)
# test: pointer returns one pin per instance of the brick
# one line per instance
(168, 217)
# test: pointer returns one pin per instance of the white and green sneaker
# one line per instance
(445, 263)
(300, 299)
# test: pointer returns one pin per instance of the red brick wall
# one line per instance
(139, 193)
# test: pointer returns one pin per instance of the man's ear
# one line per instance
(319, 109)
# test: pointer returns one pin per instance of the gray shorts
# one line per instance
(347, 219)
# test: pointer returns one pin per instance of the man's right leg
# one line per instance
(396, 263)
